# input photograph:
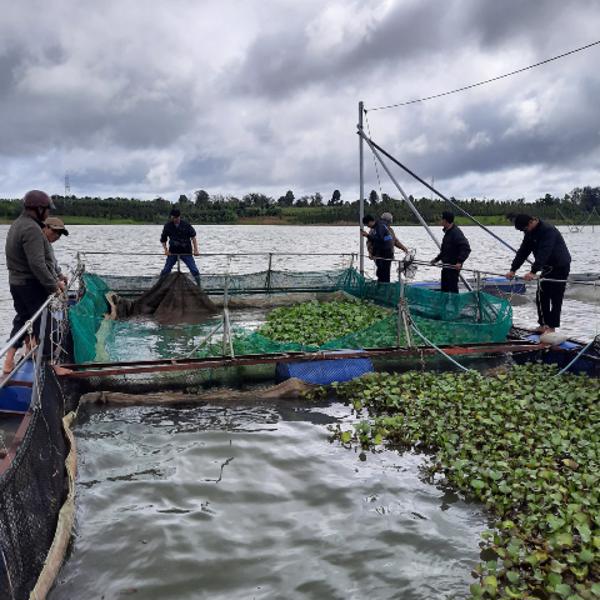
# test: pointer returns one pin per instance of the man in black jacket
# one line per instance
(455, 250)
(552, 259)
(181, 236)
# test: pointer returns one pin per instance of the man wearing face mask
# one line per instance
(30, 279)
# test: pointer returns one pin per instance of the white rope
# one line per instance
(579, 354)
(430, 343)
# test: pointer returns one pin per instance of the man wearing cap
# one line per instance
(181, 236)
(30, 279)
(552, 259)
(453, 253)
(381, 241)
(54, 228)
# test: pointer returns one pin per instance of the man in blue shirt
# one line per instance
(182, 243)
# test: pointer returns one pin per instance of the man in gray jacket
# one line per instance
(30, 279)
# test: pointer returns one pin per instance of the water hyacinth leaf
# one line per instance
(531, 459)
(513, 576)
(345, 437)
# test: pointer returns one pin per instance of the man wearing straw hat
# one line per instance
(381, 241)
(54, 228)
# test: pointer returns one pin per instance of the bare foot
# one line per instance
(8, 367)
(9, 361)
(62, 370)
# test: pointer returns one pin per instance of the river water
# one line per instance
(252, 500)
(581, 312)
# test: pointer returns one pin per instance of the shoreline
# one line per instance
(497, 221)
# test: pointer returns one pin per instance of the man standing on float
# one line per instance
(552, 259)
(453, 253)
(181, 236)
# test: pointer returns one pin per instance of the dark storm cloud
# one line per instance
(202, 172)
(280, 64)
(232, 96)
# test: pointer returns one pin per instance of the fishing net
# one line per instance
(32, 490)
(472, 317)
(172, 299)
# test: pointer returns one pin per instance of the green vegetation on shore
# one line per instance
(256, 208)
(525, 443)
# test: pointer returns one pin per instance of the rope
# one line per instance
(484, 82)
(579, 354)
(374, 159)
(430, 343)
(373, 146)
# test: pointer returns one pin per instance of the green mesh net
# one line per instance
(466, 318)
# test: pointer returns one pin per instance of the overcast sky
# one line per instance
(145, 98)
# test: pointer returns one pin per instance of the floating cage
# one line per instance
(458, 319)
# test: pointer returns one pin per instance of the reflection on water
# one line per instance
(255, 502)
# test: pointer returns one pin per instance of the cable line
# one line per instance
(479, 83)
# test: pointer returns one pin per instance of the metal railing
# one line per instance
(54, 302)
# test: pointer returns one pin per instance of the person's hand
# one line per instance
(364, 233)
(371, 257)
(458, 266)
(63, 278)
(529, 276)
(510, 275)
(196, 253)
(433, 262)
(166, 252)
(60, 287)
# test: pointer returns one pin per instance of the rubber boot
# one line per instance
(197, 280)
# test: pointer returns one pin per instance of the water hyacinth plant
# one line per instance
(525, 443)
(317, 322)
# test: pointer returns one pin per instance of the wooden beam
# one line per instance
(88, 370)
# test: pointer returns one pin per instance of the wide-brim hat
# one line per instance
(56, 224)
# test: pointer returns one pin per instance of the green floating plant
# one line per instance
(525, 443)
(314, 323)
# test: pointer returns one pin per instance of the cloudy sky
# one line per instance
(146, 97)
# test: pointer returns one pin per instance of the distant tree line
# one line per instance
(205, 208)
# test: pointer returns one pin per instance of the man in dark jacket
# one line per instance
(552, 259)
(181, 236)
(381, 241)
(31, 280)
(455, 250)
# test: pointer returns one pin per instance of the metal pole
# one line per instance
(361, 171)
(478, 283)
(269, 272)
(430, 187)
(408, 201)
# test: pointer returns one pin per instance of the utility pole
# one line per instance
(361, 171)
